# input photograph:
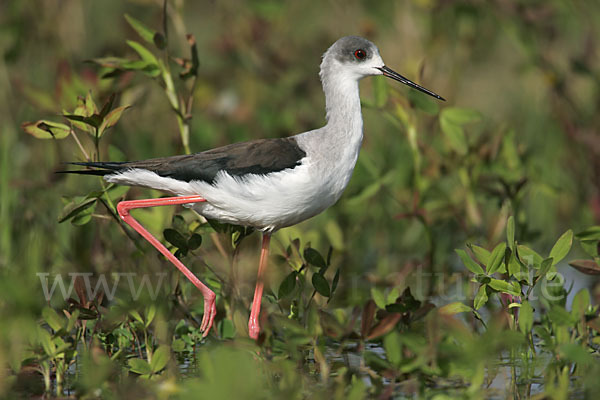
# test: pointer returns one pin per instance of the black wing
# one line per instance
(255, 157)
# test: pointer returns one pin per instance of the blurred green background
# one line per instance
(530, 71)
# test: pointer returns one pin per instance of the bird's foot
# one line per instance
(253, 328)
(210, 310)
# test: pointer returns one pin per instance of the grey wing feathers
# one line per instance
(255, 157)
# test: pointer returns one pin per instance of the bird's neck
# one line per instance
(342, 104)
(340, 140)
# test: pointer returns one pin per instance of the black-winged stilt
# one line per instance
(267, 184)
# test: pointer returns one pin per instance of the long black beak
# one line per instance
(396, 76)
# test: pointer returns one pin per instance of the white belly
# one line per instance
(268, 202)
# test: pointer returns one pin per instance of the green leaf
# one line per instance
(560, 317)
(93, 121)
(194, 242)
(226, 329)
(591, 233)
(145, 54)
(590, 247)
(111, 119)
(52, 318)
(357, 389)
(44, 129)
(496, 258)
(581, 302)
(84, 216)
(451, 121)
(160, 358)
(545, 267)
(380, 91)
(82, 111)
(505, 287)
(454, 308)
(321, 285)
(514, 268)
(335, 235)
(72, 320)
(136, 315)
(44, 338)
(529, 256)
(73, 208)
(483, 255)
(315, 258)
(469, 263)
(144, 32)
(122, 64)
(578, 354)
(525, 317)
(139, 366)
(423, 102)
(178, 345)
(393, 347)
(378, 297)
(481, 297)
(175, 238)
(454, 135)
(150, 312)
(376, 363)
(108, 62)
(180, 253)
(393, 295)
(562, 247)
(460, 116)
(336, 279)
(360, 199)
(510, 232)
(287, 285)
(90, 105)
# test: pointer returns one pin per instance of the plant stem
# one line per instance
(85, 154)
(171, 92)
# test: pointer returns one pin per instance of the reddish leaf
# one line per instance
(384, 326)
(331, 326)
(588, 267)
(81, 291)
(594, 324)
(423, 311)
(108, 105)
(367, 317)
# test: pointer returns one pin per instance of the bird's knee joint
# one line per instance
(211, 296)
(122, 210)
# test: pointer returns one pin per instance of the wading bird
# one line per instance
(267, 184)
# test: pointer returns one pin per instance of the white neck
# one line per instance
(342, 100)
(333, 149)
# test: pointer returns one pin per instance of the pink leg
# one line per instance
(123, 208)
(253, 324)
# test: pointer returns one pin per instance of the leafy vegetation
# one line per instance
(460, 262)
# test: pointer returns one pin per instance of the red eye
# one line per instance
(360, 54)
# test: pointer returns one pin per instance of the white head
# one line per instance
(354, 57)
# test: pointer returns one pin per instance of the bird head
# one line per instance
(355, 57)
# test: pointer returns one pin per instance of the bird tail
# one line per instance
(98, 168)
